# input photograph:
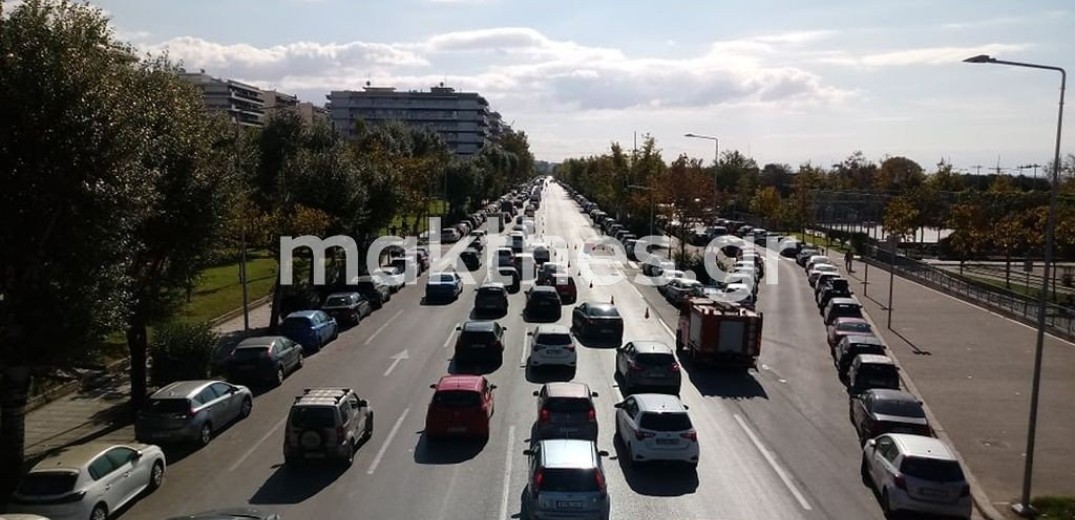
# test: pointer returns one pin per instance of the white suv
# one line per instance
(552, 345)
(656, 427)
(916, 473)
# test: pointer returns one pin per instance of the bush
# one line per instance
(181, 351)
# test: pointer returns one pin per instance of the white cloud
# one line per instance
(921, 56)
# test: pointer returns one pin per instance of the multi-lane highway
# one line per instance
(775, 444)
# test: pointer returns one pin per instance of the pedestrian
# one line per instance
(848, 257)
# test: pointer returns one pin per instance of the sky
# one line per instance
(784, 81)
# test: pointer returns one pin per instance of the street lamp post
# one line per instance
(1023, 508)
(651, 208)
(716, 162)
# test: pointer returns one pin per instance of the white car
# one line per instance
(916, 473)
(815, 260)
(740, 293)
(679, 289)
(552, 345)
(656, 427)
(450, 235)
(89, 481)
(390, 276)
(818, 270)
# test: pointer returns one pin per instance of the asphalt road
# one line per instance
(775, 444)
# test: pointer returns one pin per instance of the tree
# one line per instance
(897, 175)
(73, 187)
(175, 236)
(766, 204)
(970, 230)
(777, 176)
(900, 217)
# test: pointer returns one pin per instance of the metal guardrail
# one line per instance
(1058, 319)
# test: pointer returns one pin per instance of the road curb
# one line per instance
(978, 496)
(235, 313)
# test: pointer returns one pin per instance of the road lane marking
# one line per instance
(395, 361)
(451, 334)
(263, 438)
(639, 293)
(506, 490)
(388, 440)
(666, 327)
(382, 327)
(779, 377)
(772, 463)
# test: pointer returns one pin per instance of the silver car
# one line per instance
(192, 411)
(567, 481)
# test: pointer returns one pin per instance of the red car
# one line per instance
(565, 287)
(843, 326)
(461, 407)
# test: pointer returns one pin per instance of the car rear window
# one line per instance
(47, 483)
(932, 469)
(665, 422)
(554, 339)
(899, 408)
(457, 399)
(879, 375)
(853, 327)
(469, 337)
(313, 417)
(248, 353)
(296, 323)
(562, 480)
(338, 301)
(656, 360)
(445, 278)
(607, 312)
(568, 404)
(490, 291)
(169, 405)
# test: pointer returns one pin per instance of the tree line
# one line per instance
(119, 188)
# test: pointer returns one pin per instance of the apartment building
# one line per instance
(276, 101)
(244, 104)
(463, 119)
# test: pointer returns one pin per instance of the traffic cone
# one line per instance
(591, 284)
(612, 300)
(647, 313)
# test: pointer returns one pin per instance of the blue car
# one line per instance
(443, 286)
(311, 329)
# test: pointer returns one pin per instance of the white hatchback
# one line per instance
(552, 345)
(916, 473)
(656, 427)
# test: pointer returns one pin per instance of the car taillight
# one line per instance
(191, 412)
(634, 366)
(900, 482)
(675, 367)
(535, 486)
(965, 492)
(690, 436)
(591, 415)
(545, 416)
(266, 354)
(570, 347)
(641, 435)
(600, 482)
(341, 435)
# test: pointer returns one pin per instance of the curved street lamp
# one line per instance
(716, 161)
(1023, 508)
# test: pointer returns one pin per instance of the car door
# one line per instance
(884, 451)
(623, 355)
(214, 406)
(230, 401)
(357, 414)
(625, 417)
(487, 398)
(127, 477)
(321, 326)
(109, 484)
(288, 353)
(858, 413)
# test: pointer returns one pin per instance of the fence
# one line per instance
(1059, 320)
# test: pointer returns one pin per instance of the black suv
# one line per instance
(327, 423)
(542, 303)
(492, 299)
(479, 342)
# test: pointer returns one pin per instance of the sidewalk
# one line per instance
(100, 413)
(974, 368)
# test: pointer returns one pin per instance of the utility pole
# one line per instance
(242, 236)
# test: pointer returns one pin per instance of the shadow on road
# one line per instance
(724, 383)
(439, 302)
(534, 317)
(596, 342)
(476, 314)
(292, 485)
(656, 479)
(475, 368)
(549, 374)
(447, 451)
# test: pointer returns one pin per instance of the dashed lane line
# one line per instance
(387, 441)
(772, 463)
(383, 326)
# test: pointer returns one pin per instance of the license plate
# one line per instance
(568, 430)
(554, 352)
(568, 504)
(929, 492)
(667, 441)
(457, 429)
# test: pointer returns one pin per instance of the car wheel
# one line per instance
(630, 454)
(245, 408)
(335, 333)
(301, 361)
(156, 476)
(279, 375)
(886, 504)
(205, 434)
(864, 472)
(100, 512)
(368, 434)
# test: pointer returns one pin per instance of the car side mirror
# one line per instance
(593, 394)
(685, 407)
(361, 403)
(460, 327)
(136, 455)
(528, 452)
(603, 453)
(492, 387)
(536, 393)
(529, 333)
(618, 405)
(871, 443)
(433, 385)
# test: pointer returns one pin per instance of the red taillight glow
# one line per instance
(536, 485)
(691, 436)
(675, 367)
(545, 416)
(600, 481)
(341, 434)
(634, 366)
(641, 435)
(591, 415)
(900, 482)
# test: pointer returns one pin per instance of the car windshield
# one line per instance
(561, 480)
(169, 406)
(656, 360)
(554, 339)
(337, 301)
(855, 326)
(457, 399)
(665, 422)
(899, 408)
(296, 323)
(48, 483)
(445, 278)
(490, 291)
(568, 404)
(934, 470)
(309, 417)
(245, 353)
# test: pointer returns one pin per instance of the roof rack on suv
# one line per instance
(334, 393)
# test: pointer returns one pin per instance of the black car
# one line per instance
(348, 307)
(835, 288)
(598, 321)
(492, 298)
(479, 342)
(377, 292)
(471, 259)
(804, 255)
(880, 411)
(542, 303)
(508, 276)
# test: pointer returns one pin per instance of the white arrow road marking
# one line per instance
(772, 462)
(387, 441)
(382, 327)
(395, 361)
